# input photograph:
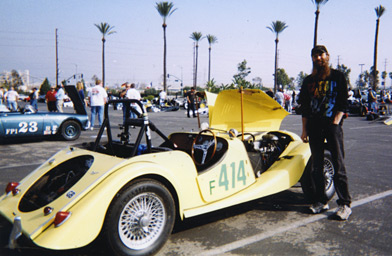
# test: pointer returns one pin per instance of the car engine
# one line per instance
(266, 151)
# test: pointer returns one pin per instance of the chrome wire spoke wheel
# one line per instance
(329, 172)
(142, 221)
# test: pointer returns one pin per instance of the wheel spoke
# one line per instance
(142, 221)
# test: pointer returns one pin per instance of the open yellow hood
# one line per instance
(261, 112)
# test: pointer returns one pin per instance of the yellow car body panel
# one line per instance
(261, 112)
(282, 175)
(231, 175)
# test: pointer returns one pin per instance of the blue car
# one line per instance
(27, 123)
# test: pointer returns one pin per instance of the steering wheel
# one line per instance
(204, 145)
(250, 134)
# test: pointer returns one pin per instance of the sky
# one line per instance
(135, 52)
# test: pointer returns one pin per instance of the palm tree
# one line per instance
(277, 27)
(318, 4)
(164, 9)
(196, 36)
(379, 12)
(211, 40)
(105, 29)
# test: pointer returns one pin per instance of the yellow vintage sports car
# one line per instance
(131, 193)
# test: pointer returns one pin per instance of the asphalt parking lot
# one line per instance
(275, 225)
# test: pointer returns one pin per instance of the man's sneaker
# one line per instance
(318, 207)
(92, 128)
(343, 212)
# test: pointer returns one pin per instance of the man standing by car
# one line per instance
(98, 98)
(51, 99)
(12, 99)
(190, 97)
(324, 101)
(372, 99)
(60, 95)
(34, 98)
(132, 93)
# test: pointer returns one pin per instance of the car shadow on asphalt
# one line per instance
(289, 200)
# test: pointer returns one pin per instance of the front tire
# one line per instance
(140, 218)
(71, 130)
(329, 171)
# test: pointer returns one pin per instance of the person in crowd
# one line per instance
(357, 94)
(134, 94)
(2, 95)
(388, 97)
(162, 98)
(34, 98)
(324, 101)
(190, 97)
(122, 95)
(80, 88)
(12, 97)
(97, 98)
(287, 102)
(60, 95)
(279, 97)
(293, 99)
(372, 99)
(270, 93)
(51, 99)
(351, 95)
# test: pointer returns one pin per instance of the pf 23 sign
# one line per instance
(23, 127)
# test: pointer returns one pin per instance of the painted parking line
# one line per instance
(19, 166)
(365, 127)
(259, 237)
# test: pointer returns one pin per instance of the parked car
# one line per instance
(23, 97)
(28, 123)
(132, 192)
(3, 108)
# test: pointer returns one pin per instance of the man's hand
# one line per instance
(304, 135)
(338, 117)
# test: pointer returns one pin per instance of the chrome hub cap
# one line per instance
(329, 172)
(142, 221)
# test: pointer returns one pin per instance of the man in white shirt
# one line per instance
(98, 98)
(279, 97)
(60, 95)
(162, 97)
(12, 99)
(132, 93)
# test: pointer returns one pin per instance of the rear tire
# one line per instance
(70, 130)
(140, 219)
(329, 171)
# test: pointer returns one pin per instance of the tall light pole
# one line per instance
(76, 69)
(57, 62)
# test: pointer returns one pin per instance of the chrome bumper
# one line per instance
(15, 233)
